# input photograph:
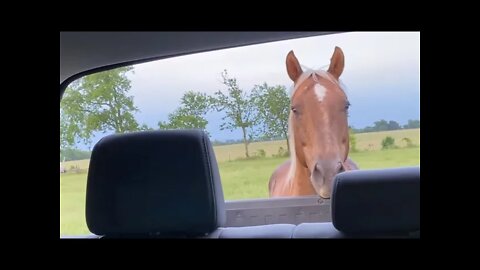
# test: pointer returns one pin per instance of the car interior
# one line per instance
(178, 195)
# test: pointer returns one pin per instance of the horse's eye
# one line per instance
(347, 105)
(294, 110)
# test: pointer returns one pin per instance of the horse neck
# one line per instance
(298, 178)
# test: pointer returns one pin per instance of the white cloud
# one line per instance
(371, 56)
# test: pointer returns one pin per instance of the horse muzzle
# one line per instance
(323, 174)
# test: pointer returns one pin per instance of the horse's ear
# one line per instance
(337, 63)
(293, 67)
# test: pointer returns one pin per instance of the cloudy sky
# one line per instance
(382, 74)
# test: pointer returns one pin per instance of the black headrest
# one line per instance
(163, 183)
(377, 201)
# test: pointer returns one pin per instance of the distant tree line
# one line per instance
(74, 154)
(383, 125)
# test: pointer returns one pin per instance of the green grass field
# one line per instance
(241, 179)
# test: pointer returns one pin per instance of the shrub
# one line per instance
(282, 152)
(261, 153)
(408, 142)
(353, 141)
(388, 143)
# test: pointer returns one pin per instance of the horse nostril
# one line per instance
(340, 167)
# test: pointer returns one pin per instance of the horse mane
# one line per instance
(305, 75)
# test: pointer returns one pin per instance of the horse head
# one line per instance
(318, 124)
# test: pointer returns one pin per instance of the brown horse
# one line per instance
(318, 131)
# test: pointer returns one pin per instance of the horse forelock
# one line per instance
(314, 73)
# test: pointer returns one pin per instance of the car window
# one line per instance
(242, 98)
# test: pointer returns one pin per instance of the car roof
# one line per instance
(82, 53)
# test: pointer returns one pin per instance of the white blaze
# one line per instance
(320, 91)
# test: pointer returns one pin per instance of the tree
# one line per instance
(97, 102)
(408, 142)
(239, 109)
(67, 132)
(352, 140)
(74, 154)
(380, 125)
(393, 125)
(273, 105)
(191, 114)
(388, 142)
(412, 124)
(144, 127)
